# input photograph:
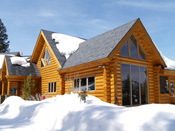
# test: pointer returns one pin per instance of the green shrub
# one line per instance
(28, 88)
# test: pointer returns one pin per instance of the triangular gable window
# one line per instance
(133, 49)
(46, 58)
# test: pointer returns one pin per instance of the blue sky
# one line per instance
(86, 18)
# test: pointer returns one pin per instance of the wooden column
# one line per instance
(105, 84)
(8, 88)
(2, 88)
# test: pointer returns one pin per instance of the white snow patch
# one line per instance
(22, 61)
(170, 63)
(67, 113)
(66, 44)
(1, 60)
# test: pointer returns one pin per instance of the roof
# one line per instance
(10, 53)
(21, 71)
(7, 53)
(48, 35)
(98, 47)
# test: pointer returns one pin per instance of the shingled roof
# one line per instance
(48, 35)
(98, 47)
(21, 71)
(10, 53)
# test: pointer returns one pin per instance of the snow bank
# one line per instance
(67, 113)
(23, 61)
(66, 44)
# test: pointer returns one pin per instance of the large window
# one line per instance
(134, 84)
(132, 48)
(46, 58)
(52, 87)
(164, 84)
(84, 84)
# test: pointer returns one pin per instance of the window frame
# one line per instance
(167, 92)
(130, 84)
(13, 88)
(171, 87)
(44, 61)
(87, 84)
(138, 45)
(52, 87)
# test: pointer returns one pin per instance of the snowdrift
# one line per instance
(67, 113)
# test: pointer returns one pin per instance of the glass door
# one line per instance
(134, 84)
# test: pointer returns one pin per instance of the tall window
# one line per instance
(52, 87)
(84, 84)
(132, 49)
(164, 84)
(46, 58)
(134, 84)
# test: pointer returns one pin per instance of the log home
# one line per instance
(122, 66)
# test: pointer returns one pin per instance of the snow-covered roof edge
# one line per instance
(169, 63)
(2, 55)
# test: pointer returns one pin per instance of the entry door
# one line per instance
(134, 84)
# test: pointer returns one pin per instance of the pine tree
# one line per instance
(28, 88)
(4, 43)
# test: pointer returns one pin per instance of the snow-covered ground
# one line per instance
(67, 113)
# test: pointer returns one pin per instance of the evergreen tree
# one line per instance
(4, 43)
(28, 88)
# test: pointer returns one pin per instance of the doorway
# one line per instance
(134, 85)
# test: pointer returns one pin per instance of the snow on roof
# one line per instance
(170, 63)
(22, 61)
(2, 58)
(67, 113)
(66, 44)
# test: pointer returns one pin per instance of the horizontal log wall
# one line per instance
(165, 98)
(49, 73)
(99, 81)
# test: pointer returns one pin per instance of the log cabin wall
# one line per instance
(150, 62)
(18, 84)
(156, 84)
(165, 98)
(97, 72)
(108, 80)
(49, 73)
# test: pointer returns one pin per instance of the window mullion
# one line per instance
(138, 52)
(140, 98)
(79, 84)
(87, 83)
(129, 47)
(130, 86)
(48, 60)
(45, 56)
